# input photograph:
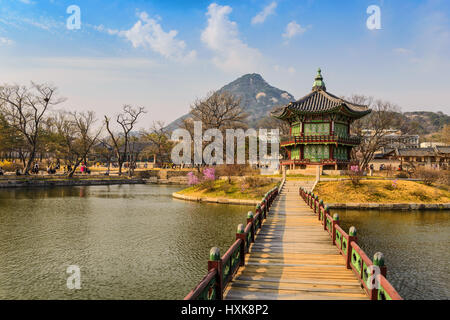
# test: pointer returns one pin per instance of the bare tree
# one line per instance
(78, 136)
(273, 123)
(24, 109)
(127, 121)
(220, 110)
(374, 127)
(159, 137)
(106, 151)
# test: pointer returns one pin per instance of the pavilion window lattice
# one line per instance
(313, 129)
(316, 153)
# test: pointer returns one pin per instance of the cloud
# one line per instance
(102, 28)
(402, 51)
(148, 33)
(267, 11)
(5, 42)
(293, 29)
(222, 37)
(290, 70)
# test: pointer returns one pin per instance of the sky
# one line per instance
(164, 54)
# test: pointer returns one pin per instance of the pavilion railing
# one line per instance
(371, 274)
(221, 269)
(328, 138)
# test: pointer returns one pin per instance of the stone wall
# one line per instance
(30, 183)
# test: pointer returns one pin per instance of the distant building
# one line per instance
(395, 139)
(437, 157)
(432, 144)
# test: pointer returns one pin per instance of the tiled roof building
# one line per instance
(320, 128)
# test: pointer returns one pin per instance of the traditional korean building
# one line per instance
(320, 129)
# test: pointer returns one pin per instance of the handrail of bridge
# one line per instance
(222, 269)
(281, 185)
(371, 274)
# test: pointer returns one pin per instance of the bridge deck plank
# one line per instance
(293, 258)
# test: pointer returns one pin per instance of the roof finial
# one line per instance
(318, 82)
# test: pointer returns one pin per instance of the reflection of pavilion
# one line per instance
(320, 129)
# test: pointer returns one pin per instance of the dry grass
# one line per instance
(385, 191)
(233, 190)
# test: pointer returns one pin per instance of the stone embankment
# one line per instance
(33, 182)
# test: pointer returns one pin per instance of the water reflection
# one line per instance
(415, 245)
(131, 242)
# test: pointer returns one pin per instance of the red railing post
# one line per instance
(320, 209)
(351, 238)
(378, 262)
(250, 219)
(335, 222)
(216, 263)
(241, 235)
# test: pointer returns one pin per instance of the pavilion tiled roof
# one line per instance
(321, 101)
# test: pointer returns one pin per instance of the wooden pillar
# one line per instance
(351, 238)
(241, 235)
(216, 263)
(250, 220)
(334, 223)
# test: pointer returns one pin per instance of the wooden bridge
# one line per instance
(292, 248)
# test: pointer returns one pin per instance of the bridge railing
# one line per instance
(371, 274)
(221, 269)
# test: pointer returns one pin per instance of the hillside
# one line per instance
(426, 122)
(258, 97)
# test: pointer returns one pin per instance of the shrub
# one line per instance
(231, 170)
(355, 175)
(143, 174)
(9, 166)
(444, 178)
(255, 182)
(402, 175)
(428, 176)
(209, 174)
(207, 185)
(192, 179)
(420, 194)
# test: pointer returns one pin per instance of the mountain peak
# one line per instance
(251, 78)
(258, 97)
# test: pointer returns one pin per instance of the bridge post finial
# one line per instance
(250, 220)
(378, 260)
(241, 235)
(215, 262)
(214, 254)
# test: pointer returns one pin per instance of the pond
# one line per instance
(129, 241)
(137, 242)
(415, 245)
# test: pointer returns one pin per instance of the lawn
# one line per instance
(234, 190)
(384, 191)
